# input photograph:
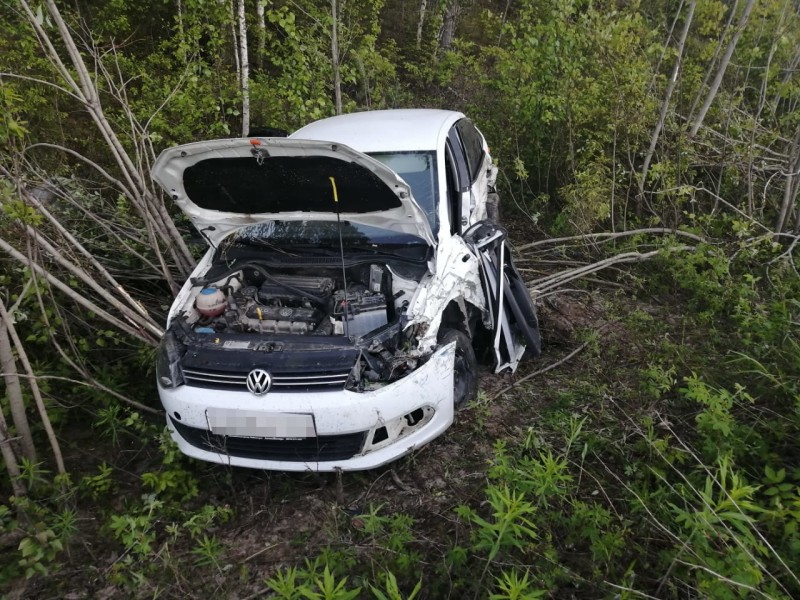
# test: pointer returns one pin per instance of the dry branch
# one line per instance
(35, 391)
(16, 403)
(609, 235)
(545, 284)
(549, 367)
(72, 294)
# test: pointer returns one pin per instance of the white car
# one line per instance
(351, 273)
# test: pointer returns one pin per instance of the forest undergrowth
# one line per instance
(658, 461)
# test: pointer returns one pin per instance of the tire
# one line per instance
(465, 367)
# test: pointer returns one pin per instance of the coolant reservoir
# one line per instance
(210, 302)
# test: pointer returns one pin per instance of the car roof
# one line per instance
(384, 130)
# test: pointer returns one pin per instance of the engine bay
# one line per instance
(255, 300)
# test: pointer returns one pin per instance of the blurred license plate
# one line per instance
(247, 423)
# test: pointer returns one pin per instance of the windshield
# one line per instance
(288, 234)
(418, 170)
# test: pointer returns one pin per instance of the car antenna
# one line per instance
(341, 253)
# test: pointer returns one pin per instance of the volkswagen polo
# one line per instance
(354, 269)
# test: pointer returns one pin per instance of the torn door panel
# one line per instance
(510, 314)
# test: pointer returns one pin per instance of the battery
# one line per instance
(363, 322)
(362, 312)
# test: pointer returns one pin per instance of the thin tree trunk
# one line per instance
(449, 25)
(712, 63)
(762, 101)
(245, 66)
(790, 191)
(422, 6)
(34, 385)
(657, 68)
(503, 22)
(667, 96)
(10, 459)
(16, 403)
(181, 33)
(261, 23)
(337, 76)
(723, 65)
(235, 39)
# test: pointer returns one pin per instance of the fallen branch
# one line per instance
(545, 284)
(79, 299)
(97, 385)
(614, 235)
(550, 367)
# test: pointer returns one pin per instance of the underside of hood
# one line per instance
(224, 185)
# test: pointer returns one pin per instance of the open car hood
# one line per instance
(224, 185)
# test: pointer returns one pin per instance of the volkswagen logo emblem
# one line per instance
(259, 382)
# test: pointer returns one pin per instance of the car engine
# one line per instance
(254, 301)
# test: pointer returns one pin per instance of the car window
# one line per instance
(460, 160)
(473, 146)
(418, 170)
(453, 193)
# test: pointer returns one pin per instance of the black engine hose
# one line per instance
(322, 303)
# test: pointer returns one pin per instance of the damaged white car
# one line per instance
(352, 274)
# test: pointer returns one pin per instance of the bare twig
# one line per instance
(400, 484)
(545, 284)
(550, 367)
(609, 235)
(92, 383)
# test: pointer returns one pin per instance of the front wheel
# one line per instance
(465, 367)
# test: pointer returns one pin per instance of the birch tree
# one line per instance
(791, 185)
(421, 22)
(337, 76)
(16, 402)
(244, 64)
(8, 329)
(261, 24)
(10, 459)
(665, 103)
(723, 65)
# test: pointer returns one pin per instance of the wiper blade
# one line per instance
(289, 251)
(418, 256)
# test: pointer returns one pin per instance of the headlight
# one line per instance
(168, 368)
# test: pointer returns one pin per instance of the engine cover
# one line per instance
(283, 313)
(313, 286)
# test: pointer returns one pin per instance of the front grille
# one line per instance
(287, 382)
(316, 449)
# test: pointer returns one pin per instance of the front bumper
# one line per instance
(354, 431)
